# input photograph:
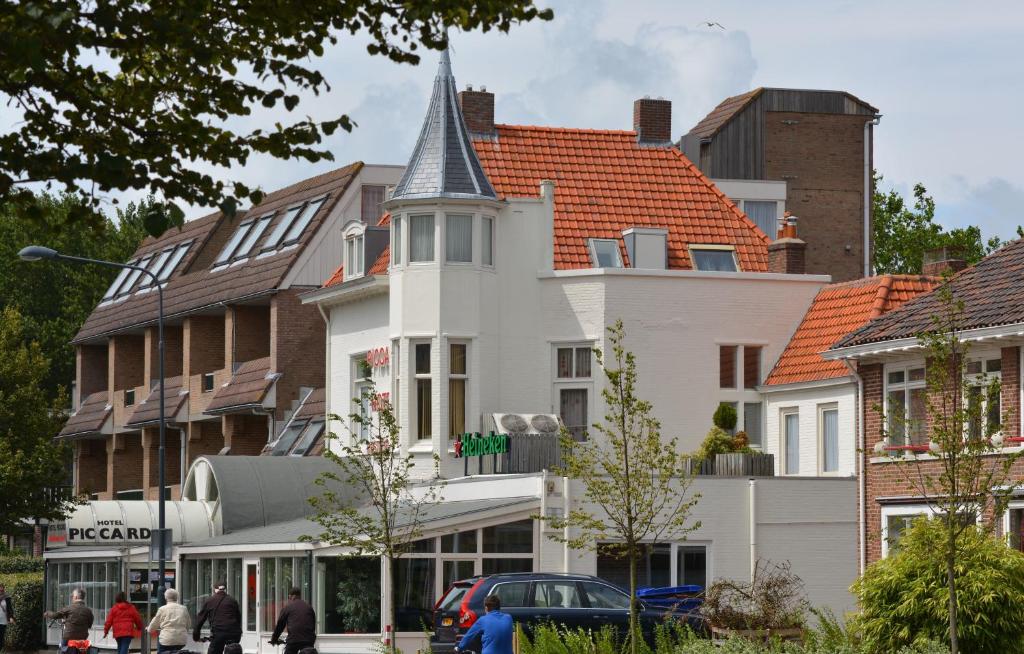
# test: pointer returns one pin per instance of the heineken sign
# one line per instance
(468, 445)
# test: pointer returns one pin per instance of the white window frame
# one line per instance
(784, 412)
(397, 258)
(739, 395)
(910, 510)
(1012, 505)
(463, 376)
(484, 220)
(695, 247)
(415, 392)
(906, 385)
(592, 246)
(572, 383)
(436, 247)
(355, 247)
(982, 381)
(472, 238)
(822, 408)
(359, 382)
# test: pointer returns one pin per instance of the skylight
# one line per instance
(604, 253)
(118, 282)
(292, 224)
(176, 258)
(243, 240)
(133, 276)
(164, 263)
(714, 259)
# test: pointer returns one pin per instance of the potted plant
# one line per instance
(772, 605)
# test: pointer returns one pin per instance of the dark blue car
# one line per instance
(533, 598)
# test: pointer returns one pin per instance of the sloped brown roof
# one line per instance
(89, 418)
(314, 405)
(837, 310)
(194, 285)
(723, 113)
(247, 387)
(991, 291)
(148, 411)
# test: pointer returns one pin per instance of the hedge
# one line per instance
(12, 564)
(26, 591)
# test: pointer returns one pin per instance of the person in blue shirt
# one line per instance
(493, 629)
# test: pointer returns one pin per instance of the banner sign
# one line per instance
(468, 445)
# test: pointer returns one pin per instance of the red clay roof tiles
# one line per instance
(837, 310)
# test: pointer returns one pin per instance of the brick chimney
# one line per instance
(652, 121)
(477, 110)
(787, 253)
(943, 260)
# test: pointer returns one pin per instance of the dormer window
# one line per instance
(604, 253)
(713, 258)
(354, 250)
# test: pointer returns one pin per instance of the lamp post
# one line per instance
(38, 252)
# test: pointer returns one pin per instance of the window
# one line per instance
(278, 576)
(984, 405)
(574, 362)
(751, 366)
(243, 240)
(791, 442)
(828, 438)
(396, 241)
(424, 408)
(557, 594)
(692, 565)
(459, 238)
(288, 437)
(727, 366)
(179, 254)
(207, 382)
(509, 538)
(713, 260)
(414, 593)
(752, 423)
(421, 238)
(487, 241)
(905, 404)
(129, 397)
(229, 248)
(457, 376)
(310, 435)
(654, 568)
(354, 261)
(604, 253)
(896, 520)
(573, 411)
(512, 594)
(372, 198)
(278, 234)
(1013, 526)
(300, 224)
(118, 281)
(133, 276)
(292, 224)
(199, 575)
(340, 578)
(764, 214)
(155, 266)
(463, 542)
(601, 596)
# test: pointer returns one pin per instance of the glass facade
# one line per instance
(278, 575)
(348, 595)
(101, 581)
(199, 575)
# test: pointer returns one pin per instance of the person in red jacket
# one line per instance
(125, 621)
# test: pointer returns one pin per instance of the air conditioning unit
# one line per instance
(543, 424)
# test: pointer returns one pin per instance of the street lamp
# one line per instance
(38, 252)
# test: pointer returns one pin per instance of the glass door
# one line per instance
(250, 607)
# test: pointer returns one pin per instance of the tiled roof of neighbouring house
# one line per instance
(148, 412)
(991, 291)
(247, 387)
(723, 113)
(837, 310)
(92, 413)
(606, 182)
(194, 284)
(314, 405)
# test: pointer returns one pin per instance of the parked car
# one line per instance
(533, 598)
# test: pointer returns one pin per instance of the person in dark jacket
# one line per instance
(77, 619)
(299, 619)
(124, 620)
(225, 620)
(6, 613)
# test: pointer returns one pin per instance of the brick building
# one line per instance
(812, 148)
(242, 353)
(890, 364)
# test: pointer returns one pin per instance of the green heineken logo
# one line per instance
(477, 445)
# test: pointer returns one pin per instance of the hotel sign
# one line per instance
(468, 445)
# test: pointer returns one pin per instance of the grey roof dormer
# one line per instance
(444, 163)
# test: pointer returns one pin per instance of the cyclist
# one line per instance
(77, 619)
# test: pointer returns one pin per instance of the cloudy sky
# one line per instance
(946, 76)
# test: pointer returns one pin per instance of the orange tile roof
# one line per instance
(837, 310)
(606, 182)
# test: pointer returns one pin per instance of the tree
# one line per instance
(902, 234)
(125, 94)
(54, 300)
(373, 504)
(636, 482)
(964, 473)
(903, 597)
(29, 459)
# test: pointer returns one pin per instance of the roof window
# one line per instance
(604, 253)
(243, 240)
(118, 282)
(164, 263)
(133, 276)
(292, 224)
(713, 258)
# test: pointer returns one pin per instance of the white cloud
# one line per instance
(994, 205)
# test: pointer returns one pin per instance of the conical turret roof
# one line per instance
(444, 163)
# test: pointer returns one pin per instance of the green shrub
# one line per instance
(26, 591)
(725, 417)
(718, 441)
(904, 598)
(18, 563)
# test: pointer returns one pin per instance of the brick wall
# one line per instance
(203, 344)
(245, 434)
(151, 459)
(126, 466)
(821, 159)
(204, 437)
(787, 256)
(91, 368)
(888, 479)
(127, 361)
(173, 346)
(91, 464)
(652, 120)
(296, 348)
(247, 334)
(478, 111)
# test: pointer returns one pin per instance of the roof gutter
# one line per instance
(913, 342)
